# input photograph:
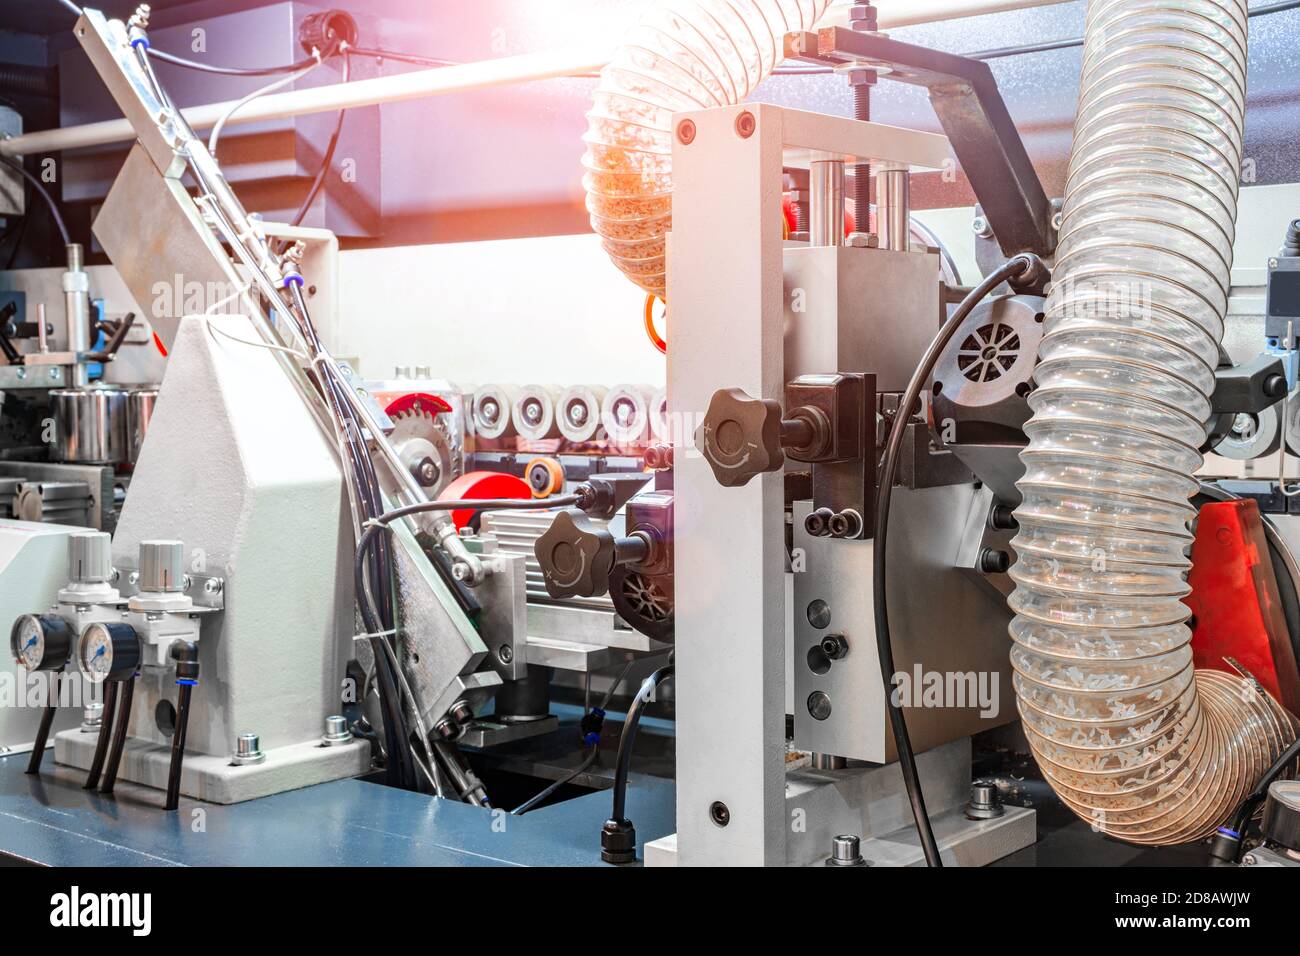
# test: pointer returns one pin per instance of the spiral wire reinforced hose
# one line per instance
(683, 55)
(1129, 735)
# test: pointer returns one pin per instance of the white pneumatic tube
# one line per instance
(683, 55)
(1128, 734)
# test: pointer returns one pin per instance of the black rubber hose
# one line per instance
(1015, 266)
(43, 730)
(105, 729)
(627, 741)
(178, 746)
(119, 737)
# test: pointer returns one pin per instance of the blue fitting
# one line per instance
(293, 279)
(186, 682)
(591, 739)
(140, 42)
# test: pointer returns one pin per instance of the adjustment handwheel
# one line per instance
(576, 556)
(740, 436)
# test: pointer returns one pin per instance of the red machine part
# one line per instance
(483, 484)
(1237, 611)
(414, 401)
(787, 208)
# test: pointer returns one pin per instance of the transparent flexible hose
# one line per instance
(682, 55)
(1129, 735)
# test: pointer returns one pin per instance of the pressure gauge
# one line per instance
(108, 652)
(41, 642)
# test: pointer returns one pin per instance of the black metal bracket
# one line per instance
(973, 115)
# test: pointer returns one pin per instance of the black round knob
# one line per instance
(740, 436)
(576, 556)
(994, 561)
(1275, 386)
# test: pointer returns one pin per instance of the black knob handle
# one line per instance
(576, 556)
(740, 436)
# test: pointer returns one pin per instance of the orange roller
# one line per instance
(544, 476)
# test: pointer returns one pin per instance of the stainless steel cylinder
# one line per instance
(846, 850)
(826, 203)
(578, 411)
(248, 750)
(76, 297)
(162, 566)
(91, 425)
(893, 209)
(533, 414)
(90, 557)
(140, 404)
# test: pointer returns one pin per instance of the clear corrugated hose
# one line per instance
(682, 55)
(1129, 734)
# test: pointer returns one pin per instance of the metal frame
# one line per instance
(971, 110)
(725, 257)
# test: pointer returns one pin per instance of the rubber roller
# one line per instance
(579, 411)
(625, 413)
(533, 412)
(545, 477)
(1251, 436)
(490, 411)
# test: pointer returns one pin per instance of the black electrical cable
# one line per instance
(377, 616)
(40, 189)
(105, 729)
(627, 741)
(1260, 793)
(582, 768)
(1016, 266)
(175, 60)
(327, 159)
(43, 729)
(119, 737)
(370, 540)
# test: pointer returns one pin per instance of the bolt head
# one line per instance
(746, 124)
(686, 132)
(505, 653)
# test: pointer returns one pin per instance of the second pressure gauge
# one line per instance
(108, 652)
(41, 642)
